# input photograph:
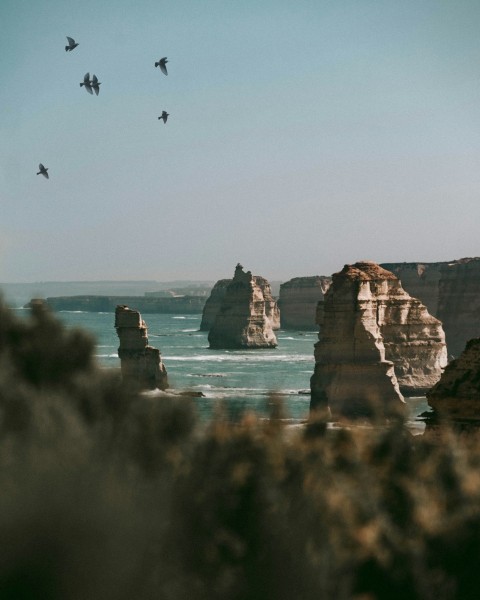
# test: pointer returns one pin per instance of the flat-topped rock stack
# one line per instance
(247, 314)
(451, 292)
(352, 377)
(141, 364)
(376, 342)
(299, 298)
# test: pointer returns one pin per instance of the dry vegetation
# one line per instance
(105, 494)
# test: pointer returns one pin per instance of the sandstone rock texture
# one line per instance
(451, 292)
(213, 304)
(376, 342)
(457, 394)
(299, 298)
(247, 315)
(141, 364)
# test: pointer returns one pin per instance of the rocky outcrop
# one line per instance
(457, 395)
(376, 342)
(272, 310)
(451, 292)
(245, 316)
(352, 376)
(141, 364)
(213, 304)
(299, 298)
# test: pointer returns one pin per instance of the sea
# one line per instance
(231, 380)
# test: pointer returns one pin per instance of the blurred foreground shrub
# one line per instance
(108, 494)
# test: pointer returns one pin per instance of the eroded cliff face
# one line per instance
(457, 395)
(299, 298)
(352, 376)
(213, 304)
(376, 342)
(141, 364)
(245, 316)
(451, 292)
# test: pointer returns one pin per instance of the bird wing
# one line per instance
(86, 79)
(88, 87)
(71, 41)
(94, 80)
(41, 167)
(46, 174)
(163, 68)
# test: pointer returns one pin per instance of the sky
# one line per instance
(303, 135)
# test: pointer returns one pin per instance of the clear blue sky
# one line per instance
(302, 135)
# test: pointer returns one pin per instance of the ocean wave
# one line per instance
(107, 355)
(235, 358)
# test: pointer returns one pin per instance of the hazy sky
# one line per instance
(303, 135)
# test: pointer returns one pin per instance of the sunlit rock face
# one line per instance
(451, 292)
(457, 395)
(299, 298)
(141, 364)
(375, 343)
(247, 315)
(213, 304)
(272, 310)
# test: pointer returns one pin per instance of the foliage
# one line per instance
(106, 494)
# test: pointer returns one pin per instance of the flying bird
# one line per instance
(42, 171)
(162, 63)
(87, 83)
(164, 116)
(95, 84)
(72, 44)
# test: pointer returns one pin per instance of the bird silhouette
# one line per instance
(162, 63)
(95, 84)
(164, 116)
(72, 44)
(42, 171)
(87, 83)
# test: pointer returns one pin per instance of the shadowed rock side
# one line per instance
(352, 376)
(213, 304)
(451, 292)
(141, 364)
(457, 394)
(243, 320)
(299, 298)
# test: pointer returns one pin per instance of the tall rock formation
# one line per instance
(245, 316)
(141, 364)
(213, 304)
(457, 395)
(376, 341)
(451, 292)
(352, 376)
(299, 298)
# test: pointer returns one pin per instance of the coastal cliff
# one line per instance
(299, 298)
(244, 319)
(376, 341)
(141, 364)
(146, 304)
(451, 292)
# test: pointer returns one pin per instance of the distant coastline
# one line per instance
(146, 304)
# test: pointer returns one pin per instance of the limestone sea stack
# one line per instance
(246, 316)
(451, 292)
(376, 342)
(141, 364)
(352, 377)
(457, 395)
(299, 298)
(213, 304)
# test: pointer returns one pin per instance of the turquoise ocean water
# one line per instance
(243, 379)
